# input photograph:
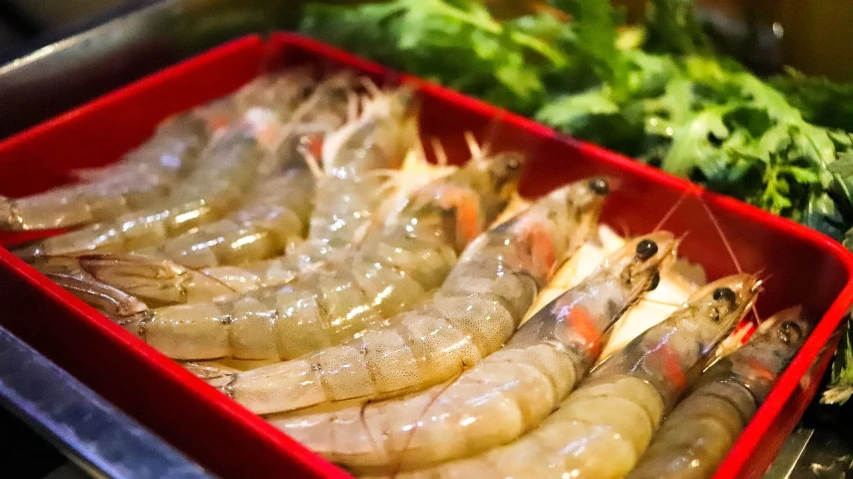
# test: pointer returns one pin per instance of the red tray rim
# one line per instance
(749, 440)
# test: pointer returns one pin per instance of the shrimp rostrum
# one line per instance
(470, 316)
(504, 396)
(362, 287)
(698, 434)
(601, 429)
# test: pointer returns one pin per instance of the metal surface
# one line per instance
(61, 75)
(95, 435)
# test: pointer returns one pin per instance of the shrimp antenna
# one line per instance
(296, 117)
(722, 234)
(310, 159)
(411, 434)
(353, 101)
(673, 209)
(440, 153)
(659, 302)
(372, 89)
(492, 132)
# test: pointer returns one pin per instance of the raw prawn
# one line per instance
(236, 156)
(347, 196)
(469, 317)
(274, 217)
(156, 166)
(505, 395)
(386, 274)
(698, 434)
(226, 168)
(358, 163)
(601, 429)
(143, 177)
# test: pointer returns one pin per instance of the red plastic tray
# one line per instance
(804, 267)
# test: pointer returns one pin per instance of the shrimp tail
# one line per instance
(155, 282)
(112, 302)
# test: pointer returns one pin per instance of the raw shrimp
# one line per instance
(469, 317)
(386, 274)
(227, 167)
(349, 193)
(145, 175)
(358, 162)
(600, 430)
(504, 396)
(274, 217)
(235, 157)
(698, 434)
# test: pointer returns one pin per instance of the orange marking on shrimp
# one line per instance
(582, 324)
(542, 251)
(758, 369)
(671, 368)
(467, 209)
(216, 122)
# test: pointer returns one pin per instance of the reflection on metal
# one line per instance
(70, 72)
(790, 454)
(95, 435)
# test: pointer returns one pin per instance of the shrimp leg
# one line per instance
(504, 396)
(601, 428)
(695, 438)
(469, 317)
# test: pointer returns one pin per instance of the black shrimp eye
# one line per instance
(654, 282)
(600, 186)
(725, 294)
(646, 249)
(790, 332)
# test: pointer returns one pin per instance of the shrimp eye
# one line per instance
(646, 249)
(725, 294)
(600, 186)
(790, 332)
(513, 164)
(654, 282)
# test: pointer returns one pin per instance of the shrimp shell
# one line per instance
(698, 434)
(385, 275)
(601, 428)
(209, 192)
(274, 217)
(147, 174)
(504, 396)
(470, 316)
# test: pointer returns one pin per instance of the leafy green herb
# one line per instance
(657, 93)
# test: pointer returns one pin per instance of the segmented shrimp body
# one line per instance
(698, 434)
(274, 216)
(146, 175)
(330, 304)
(226, 169)
(470, 316)
(502, 397)
(358, 161)
(601, 429)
